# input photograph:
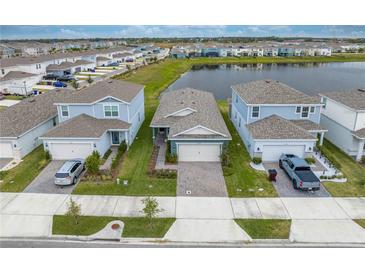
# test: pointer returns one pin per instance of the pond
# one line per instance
(310, 78)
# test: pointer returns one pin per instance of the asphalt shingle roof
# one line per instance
(308, 125)
(272, 92)
(30, 112)
(276, 127)
(122, 90)
(360, 133)
(86, 126)
(11, 75)
(354, 99)
(206, 112)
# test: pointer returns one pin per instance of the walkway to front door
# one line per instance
(201, 179)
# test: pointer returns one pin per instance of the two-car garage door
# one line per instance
(65, 151)
(199, 152)
(272, 153)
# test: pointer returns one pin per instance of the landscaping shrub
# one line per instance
(225, 156)
(330, 158)
(107, 153)
(47, 155)
(310, 160)
(92, 163)
(165, 174)
(90, 80)
(121, 149)
(257, 160)
(171, 158)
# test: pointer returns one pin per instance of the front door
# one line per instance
(115, 138)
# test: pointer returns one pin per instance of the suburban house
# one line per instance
(103, 114)
(22, 124)
(69, 68)
(102, 61)
(190, 120)
(273, 118)
(19, 82)
(343, 114)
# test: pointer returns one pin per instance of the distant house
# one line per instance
(286, 52)
(69, 68)
(19, 82)
(192, 123)
(102, 115)
(6, 52)
(22, 124)
(103, 61)
(177, 53)
(273, 118)
(343, 115)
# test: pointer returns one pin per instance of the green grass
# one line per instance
(265, 229)
(244, 177)
(353, 171)
(360, 222)
(19, 177)
(14, 97)
(133, 227)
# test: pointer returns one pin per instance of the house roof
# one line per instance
(276, 127)
(124, 54)
(85, 126)
(11, 75)
(308, 125)
(204, 113)
(122, 90)
(30, 112)
(272, 92)
(102, 58)
(354, 99)
(360, 133)
(67, 65)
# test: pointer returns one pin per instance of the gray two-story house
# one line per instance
(273, 118)
(95, 118)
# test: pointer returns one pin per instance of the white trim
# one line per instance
(111, 105)
(196, 139)
(128, 117)
(92, 103)
(216, 132)
(284, 140)
(348, 107)
(178, 111)
(301, 113)
(190, 143)
(68, 112)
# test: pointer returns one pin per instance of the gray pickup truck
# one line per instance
(299, 172)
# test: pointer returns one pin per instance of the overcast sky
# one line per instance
(68, 31)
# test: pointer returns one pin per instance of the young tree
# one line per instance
(90, 80)
(150, 209)
(74, 211)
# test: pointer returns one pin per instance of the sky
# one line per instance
(137, 31)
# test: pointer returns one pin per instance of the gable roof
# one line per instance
(30, 112)
(121, 90)
(11, 75)
(359, 133)
(354, 99)
(207, 114)
(85, 126)
(276, 127)
(272, 92)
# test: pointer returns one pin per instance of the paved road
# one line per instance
(44, 182)
(284, 186)
(201, 179)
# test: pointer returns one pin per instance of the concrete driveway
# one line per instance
(44, 182)
(201, 179)
(284, 186)
(4, 162)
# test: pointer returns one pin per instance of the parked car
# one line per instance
(66, 78)
(115, 64)
(69, 172)
(91, 70)
(50, 77)
(299, 172)
(59, 84)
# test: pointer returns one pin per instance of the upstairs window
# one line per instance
(305, 112)
(239, 122)
(111, 111)
(324, 101)
(255, 112)
(313, 110)
(298, 110)
(2, 71)
(64, 111)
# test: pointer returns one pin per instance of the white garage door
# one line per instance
(6, 150)
(199, 152)
(65, 151)
(272, 153)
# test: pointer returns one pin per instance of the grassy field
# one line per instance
(245, 181)
(17, 179)
(265, 229)
(354, 172)
(361, 222)
(133, 227)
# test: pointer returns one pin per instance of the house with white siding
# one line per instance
(19, 82)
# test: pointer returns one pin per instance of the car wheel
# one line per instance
(295, 184)
(74, 180)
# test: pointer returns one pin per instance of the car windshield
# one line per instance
(302, 168)
(61, 175)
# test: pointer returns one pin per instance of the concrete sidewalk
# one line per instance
(30, 215)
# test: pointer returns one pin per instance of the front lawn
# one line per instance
(265, 228)
(133, 227)
(353, 171)
(19, 177)
(360, 222)
(243, 181)
(14, 97)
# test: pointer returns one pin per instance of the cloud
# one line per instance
(68, 33)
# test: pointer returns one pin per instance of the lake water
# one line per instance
(310, 78)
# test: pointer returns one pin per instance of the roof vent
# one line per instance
(361, 89)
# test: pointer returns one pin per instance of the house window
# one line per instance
(139, 117)
(235, 115)
(54, 122)
(324, 101)
(239, 122)
(298, 110)
(3, 71)
(64, 111)
(305, 112)
(255, 112)
(313, 110)
(111, 111)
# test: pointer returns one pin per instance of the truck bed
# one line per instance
(307, 176)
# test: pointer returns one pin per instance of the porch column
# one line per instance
(321, 139)
(360, 150)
